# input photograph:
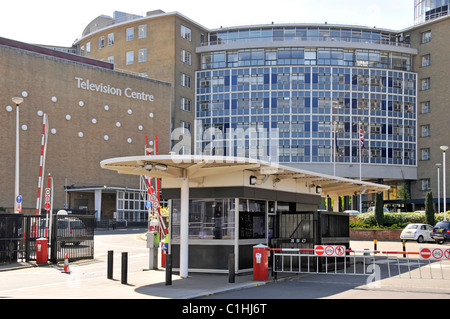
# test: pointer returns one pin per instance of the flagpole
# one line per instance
(335, 149)
(360, 166)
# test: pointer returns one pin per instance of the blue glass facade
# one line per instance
(318, 99)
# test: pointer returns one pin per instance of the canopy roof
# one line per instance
(178, 167)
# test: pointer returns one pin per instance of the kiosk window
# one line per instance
(252, 225)
(208, 219)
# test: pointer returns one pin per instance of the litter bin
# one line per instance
(41, 251)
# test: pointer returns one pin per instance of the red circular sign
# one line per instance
(47, 206)
(437, 253)
(319, 250)
(425, 253)
(329, 250)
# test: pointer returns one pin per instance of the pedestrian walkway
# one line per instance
(147, 284)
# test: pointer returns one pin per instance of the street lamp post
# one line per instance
(17, 101)
(438, 165)
(444, 148)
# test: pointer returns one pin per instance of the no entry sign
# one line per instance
(319, 250)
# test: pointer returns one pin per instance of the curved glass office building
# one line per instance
(310, 96)
(425, 10)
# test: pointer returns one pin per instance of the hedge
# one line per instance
(391, 220)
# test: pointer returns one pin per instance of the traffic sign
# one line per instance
(329, 251)
(425, 253)
(19, 199)
(437, 253)
(318, 250)
(339, 251)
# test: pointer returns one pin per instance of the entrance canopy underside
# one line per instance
(216, 171)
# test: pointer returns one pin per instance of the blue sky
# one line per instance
(59, 22)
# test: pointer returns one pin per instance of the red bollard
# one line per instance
(41, 251)
(260, 263)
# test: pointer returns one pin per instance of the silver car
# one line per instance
(418, 232)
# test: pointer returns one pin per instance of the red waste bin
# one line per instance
(41, 251)
(260, 263)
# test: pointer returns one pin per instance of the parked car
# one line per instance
(71, 230)
(418, 232)
(352, 212)
(441, 232)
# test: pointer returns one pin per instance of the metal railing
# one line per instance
(385, 264)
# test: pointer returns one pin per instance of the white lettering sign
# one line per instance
(108, 89)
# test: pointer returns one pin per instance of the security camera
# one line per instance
(148, 167)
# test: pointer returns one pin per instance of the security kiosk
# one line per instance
(227, 205)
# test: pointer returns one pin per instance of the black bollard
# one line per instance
(168, 270)
(231, 271)
(124, 268)
(110, 264)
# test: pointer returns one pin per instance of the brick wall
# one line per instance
(372, 234)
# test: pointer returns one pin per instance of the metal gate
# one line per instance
(72, 235)
(68, 234)
(360, 262)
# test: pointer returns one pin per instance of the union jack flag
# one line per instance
(361, 138)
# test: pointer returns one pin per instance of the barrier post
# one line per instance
(375, 242)
(231, 269)
(168, 270)
(260, 263)
(124, 278)
(404, 247)
(110, 264)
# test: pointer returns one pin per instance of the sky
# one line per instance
(57, 22)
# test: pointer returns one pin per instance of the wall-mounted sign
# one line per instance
(111, 90)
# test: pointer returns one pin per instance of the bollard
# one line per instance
(168, 270)
(375, 245)
(124, 268)
(231, 272)
(110, 264)
(404, 247)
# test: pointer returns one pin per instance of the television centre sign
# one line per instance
(111, 90)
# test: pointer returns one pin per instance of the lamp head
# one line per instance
(17, 100)
(444, 148)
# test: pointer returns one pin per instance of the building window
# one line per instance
(425, 84)
(425, 154)
(185, 80)
(111, 59)
(425, 184)
(425, 129)
(425, 107)
(185, 127)
(110, 39)
(142, 31)
(426, 60)
(142, 55)
(130, 57)
(101, 42)
(185, 104)
(88, 47)
(186, 57)
(186, 33)
(426, 36)
(130, 34)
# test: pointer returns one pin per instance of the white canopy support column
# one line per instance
(184, 229)
(98, 204)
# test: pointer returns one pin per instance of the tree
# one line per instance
(403, 194)
(429, 208)
(379, 213)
